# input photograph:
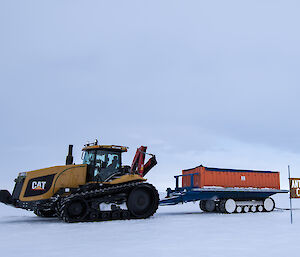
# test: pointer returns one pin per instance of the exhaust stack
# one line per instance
(69, 159)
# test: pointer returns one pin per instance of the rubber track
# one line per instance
(96, 215)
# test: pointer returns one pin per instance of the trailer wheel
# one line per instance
(246, 209)
(269, 204)
(210, 205)
(227, 206)
(253, 208)
(239, 209)
(202, 205)
(260, 208)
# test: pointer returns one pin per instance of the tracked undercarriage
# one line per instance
(127, 201)
(134, 200)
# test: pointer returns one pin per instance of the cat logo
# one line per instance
(38, 185)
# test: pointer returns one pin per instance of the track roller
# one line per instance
(116, 215)
(93, 215)
(105, 215)
(239, 209)
(125, 215)
(246, 209)
(260, 208)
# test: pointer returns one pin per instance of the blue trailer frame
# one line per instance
(192, 193)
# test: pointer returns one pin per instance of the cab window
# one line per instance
(113, 160)
(89, 157)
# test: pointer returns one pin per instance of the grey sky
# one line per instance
(211, 82)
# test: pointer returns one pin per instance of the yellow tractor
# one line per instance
(98, 189)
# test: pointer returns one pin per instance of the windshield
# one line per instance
(103, 164)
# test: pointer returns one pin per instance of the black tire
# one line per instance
(45, 214)
(202, 205)
(143, 201)
(210, 205)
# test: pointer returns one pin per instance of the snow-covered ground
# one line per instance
(181, 230)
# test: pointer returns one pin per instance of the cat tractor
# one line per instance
(98, 189)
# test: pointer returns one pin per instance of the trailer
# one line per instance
(215, 198)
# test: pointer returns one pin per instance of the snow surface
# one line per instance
(181, 230)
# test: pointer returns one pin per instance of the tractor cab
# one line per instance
(104, 161)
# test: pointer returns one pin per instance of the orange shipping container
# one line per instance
(215, 177)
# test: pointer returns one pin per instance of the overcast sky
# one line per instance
(198, 82)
